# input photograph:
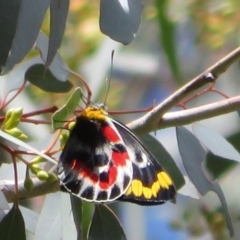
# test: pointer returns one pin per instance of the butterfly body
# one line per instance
(104, 161)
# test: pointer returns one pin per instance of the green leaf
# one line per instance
(25, 145)
(30, 19)
(44, 79)
(58, 17)
(87, 212)
(219, 166)
(12, 226)
(167, 37)
(105, 225)
(57, 67)
(164, 158)
(77, 214)
(217, 144)
(49, 222)
(8, 17)
(193, 155)
(67, 109)
(119, 20)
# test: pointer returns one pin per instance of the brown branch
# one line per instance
(188, 116)
(143, 124)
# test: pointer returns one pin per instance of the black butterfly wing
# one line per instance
(92, 166)
(151, 184)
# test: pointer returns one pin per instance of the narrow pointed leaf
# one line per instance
(168, 37)
(58, 17)
(8, 23)
(164, 158)
(49, 223)
(120, 19)
(30, 218)
(216, 143)
(193, 155)
(57, 67)
(45, 80)
(30, 19)
(219, 166)
(12, 226)
(76, 204)
(68, 227)
(25, 146)
(67, 109)
(105, 225)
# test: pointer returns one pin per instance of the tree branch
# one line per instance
(153, 118)
(192, 115)
(39, 188)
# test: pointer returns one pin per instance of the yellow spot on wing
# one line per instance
(155, 188)
(162, 181)
(138, 190)
(147, 192)
(137, 187)
(167, 178)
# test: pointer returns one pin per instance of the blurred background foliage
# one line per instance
(168, 51)
(197, 27)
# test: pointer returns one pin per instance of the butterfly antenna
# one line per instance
(109, 80)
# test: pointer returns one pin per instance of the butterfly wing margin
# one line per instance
(151, 184)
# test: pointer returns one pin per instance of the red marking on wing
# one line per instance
(112, 176)
(85, 172)
(120, 158)
(110, 134)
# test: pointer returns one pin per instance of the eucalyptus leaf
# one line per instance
(57, 67)
(67, 109)
(30, 19)
(216, 143)
(49, 223)
(76, 204)
(193, 155)
(120, 19)
(219, 166)
(67, 215)
(41, 77)
(105, 225)
(58, 17)
(168, 36)
(30, 219)
(12, 226)
(25, 146)
(9, 11)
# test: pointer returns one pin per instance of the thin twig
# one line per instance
(192, 115)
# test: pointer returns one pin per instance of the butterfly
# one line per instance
(104, 161)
